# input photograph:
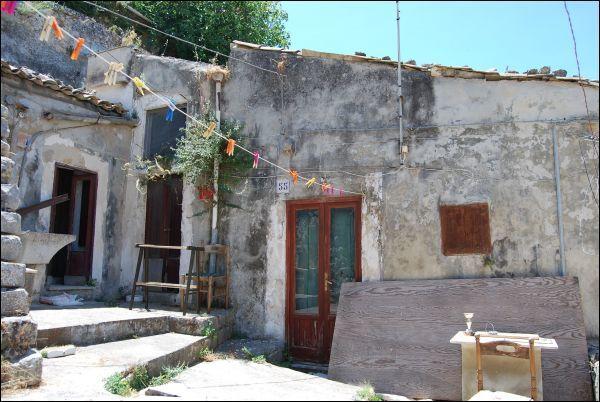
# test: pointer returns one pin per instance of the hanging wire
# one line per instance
(181, 39)
(586, 107)
(167, 102)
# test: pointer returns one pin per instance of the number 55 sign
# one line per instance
(282, 186)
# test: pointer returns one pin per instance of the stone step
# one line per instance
(11, 223)
(94, 323)
(6, 169)
(5, 150)
(18, 334)
(10, 247)
(84, 292)
(10, 200)
(15, 302)
(81, 376)
(13, 275)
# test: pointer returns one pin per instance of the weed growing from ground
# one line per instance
(367, 393)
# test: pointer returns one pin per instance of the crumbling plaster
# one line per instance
(470, 140)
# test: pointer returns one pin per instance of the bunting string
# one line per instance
(142, 86)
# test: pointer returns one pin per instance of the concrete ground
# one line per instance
(232, 379)
(82, 375)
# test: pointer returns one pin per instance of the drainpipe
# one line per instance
(402, 149)
(561, 237)
(218, 77)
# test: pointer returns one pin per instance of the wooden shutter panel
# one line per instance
(465, 229)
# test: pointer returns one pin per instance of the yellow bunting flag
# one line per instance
(140, 85)
(57, 31)
(230, 147)
(78, 46)
(294, 174)
(311, 182)
(208, 132)
(46, 29)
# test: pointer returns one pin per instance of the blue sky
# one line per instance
(482, 35)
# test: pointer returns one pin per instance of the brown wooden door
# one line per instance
(323, 251)
(81, 223)
(163, 223)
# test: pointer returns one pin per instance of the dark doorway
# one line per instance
(72, 265)
(323, 251)
(163, 227)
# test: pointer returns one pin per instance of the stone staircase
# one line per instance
(21, 364)
(109, 340)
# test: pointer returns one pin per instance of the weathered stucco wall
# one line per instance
(49, 128)
(470, 140)
(21, 46)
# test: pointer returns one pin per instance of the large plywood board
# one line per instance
(396, 334)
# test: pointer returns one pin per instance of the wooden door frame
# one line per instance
(90, 230)
(318, 203)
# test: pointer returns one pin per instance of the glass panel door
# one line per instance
(307, 262)
(342, 253)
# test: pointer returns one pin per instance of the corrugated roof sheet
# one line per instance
(436, 70)
(46, 81)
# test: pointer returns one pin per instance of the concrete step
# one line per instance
(94, 323)
(85, 292)
(81, 376)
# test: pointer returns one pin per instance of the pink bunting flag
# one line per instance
(9, 7)
(256, 158)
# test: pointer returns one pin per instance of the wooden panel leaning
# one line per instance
(395, 334)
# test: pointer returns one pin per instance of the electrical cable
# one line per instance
(168, 102)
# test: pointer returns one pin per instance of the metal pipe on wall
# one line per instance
(562, 268)
(215, 209)
(400, 111)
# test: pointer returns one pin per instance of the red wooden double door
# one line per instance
(323, 251)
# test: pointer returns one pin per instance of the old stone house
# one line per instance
(475, 196)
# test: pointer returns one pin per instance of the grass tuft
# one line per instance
(138, 379)
(367, 393)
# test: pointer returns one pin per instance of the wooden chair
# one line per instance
(506, 348)
(214, 286)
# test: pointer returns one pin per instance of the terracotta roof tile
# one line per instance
(46, 81)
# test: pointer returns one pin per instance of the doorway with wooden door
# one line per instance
(72, 265)
(323, 251)
(163, 227)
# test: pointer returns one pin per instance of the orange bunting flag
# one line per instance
(230, 147)
(311, 182)
(325, 187)
(294, 174)
(208, 132)
(140, 85)
(45, 34)
(78, 46)
(57, 31)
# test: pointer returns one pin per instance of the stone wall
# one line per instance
(21, 46)
(21, 364)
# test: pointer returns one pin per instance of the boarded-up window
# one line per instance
(161, 135)
(465, 229)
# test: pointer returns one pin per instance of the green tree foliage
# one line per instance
(213, 24)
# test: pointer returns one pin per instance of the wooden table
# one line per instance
(197, 255)
(501, 373)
